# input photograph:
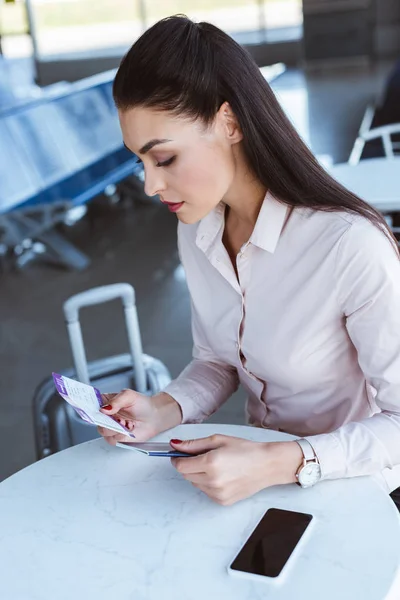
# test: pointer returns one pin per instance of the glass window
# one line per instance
(245, 20)
(283, 13)
(68, 26)
(85, 25)
(12, 18)
(15, 41)
(233, 16)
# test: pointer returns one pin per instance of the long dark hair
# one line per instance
(191, 69)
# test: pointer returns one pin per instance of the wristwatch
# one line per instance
(309, 472)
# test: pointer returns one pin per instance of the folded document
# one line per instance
(87, 401)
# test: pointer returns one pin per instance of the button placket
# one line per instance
(244, 272)
(243, 269)
(240, 328)
(243, 265)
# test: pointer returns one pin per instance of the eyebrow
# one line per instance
(147, 147)
(144, 149)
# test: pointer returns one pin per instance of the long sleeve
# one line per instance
(367, 284)
(206, 383)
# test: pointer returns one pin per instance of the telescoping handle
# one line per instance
(100, 295)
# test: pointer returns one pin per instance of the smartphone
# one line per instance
(271, 544)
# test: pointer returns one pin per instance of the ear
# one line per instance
(229, 123)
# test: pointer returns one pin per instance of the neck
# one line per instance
(245, 196)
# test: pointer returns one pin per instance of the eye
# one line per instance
(166, 163)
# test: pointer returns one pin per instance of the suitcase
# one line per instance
(57, 425)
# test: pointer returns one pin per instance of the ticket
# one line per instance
(86, 401)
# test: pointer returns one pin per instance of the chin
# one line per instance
(189, 215)
(188, 219)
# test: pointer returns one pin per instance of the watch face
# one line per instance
(310, 474)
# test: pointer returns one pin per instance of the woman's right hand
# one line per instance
(144, 416)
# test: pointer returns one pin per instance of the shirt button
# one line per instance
(237, 345)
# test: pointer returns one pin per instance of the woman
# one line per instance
(294, 281)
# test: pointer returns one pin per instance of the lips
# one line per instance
(173, 206)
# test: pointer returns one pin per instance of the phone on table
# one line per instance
(271, 544)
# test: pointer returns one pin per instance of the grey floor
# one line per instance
(138, 245)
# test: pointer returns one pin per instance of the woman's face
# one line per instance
(189, 166)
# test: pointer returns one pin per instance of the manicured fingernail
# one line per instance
(176, 442)
(107, 407)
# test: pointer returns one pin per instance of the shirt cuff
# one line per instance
(191, 412)
(330, 454)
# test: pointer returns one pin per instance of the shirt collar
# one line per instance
(269, 224)
(266, 232)
(210, 226)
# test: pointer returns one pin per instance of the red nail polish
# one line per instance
(107, 407)
(176, 441)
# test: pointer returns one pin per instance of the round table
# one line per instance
(376, 180)
(102, 522)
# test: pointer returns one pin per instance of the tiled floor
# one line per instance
(138, 245)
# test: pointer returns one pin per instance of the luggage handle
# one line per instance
(100, 295)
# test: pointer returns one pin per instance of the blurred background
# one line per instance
(71, 26)
(73, 213)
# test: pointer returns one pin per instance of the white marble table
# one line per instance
(96, 522)
(376, 180)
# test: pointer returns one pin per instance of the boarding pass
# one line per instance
(86, 401)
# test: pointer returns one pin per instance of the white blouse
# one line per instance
(310, 328)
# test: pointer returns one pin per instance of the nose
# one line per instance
(153, 182)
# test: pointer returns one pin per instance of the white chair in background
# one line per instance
(365, 134)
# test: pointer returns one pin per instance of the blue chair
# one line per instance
(56, 154)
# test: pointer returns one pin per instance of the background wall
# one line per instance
(387, 28)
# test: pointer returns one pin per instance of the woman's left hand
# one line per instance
(229, 469)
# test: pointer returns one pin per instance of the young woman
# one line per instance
(294, 281)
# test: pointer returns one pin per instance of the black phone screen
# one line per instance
(272, 542)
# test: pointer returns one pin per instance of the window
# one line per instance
(87, 26)
(15, 41)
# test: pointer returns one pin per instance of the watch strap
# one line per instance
(307, 449)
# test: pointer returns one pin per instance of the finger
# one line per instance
(111, 440)
(207, 489)
(185, 466)
(109, 433)
(200, 445)
(119, 401)
(105, 432)
(106, 398)
(199, 479)
(218, 496)
(120, 420)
